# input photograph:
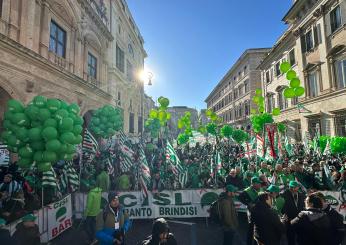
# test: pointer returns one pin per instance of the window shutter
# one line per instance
(316, 41)
(303, 43)
(319, 35)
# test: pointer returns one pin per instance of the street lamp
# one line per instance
(150, 76)
(146, 76)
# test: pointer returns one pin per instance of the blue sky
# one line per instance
(191, 44)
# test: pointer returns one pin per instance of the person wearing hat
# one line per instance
(248, 197)
(294, 203)
(247, 178)
(228, 214)
(112, 222)
(277, 201)
(27, 232)
(5, 236)
(160, 234)
(268, 228)
(10, 186)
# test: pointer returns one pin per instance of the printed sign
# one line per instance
(4, 155)
(59, 217)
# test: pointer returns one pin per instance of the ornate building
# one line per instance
(315, 45)
(231, 99)
(67, 49)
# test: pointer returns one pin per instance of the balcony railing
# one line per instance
(101, 10)
(93, 81)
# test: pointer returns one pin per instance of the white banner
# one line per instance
(59, 217)
(173, 204)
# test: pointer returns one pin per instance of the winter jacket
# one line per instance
(312, 227)
(102, 181)
(5, 237)
(93, 202)
(268, 228)
(26, 235)
(248, 196)
(290, 208)
(236, 181)
(105, 222)
(337, 226)
(229, 216)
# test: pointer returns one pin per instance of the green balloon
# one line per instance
(44, 114)
(15, 106)
(256, 99)
(35, 134)
(50, 122)
(32, 112)
(276, 112)
(70, 149)
(25, 162)
(74, 108)
(37, 145)
(77, 129)
(49, 156)
(53, 105)
(66, 124)
(291, 74)
(49, 133)
(40, 101)
(295, 83)
(36, 124)
(60, 114)
(79, 120)
(23, 134)
(67, 138)
(53, 145)
(5, 135)
(26, 152)
(299, 91)
(285, 67)
(64, 104)
(12, 140)
(20, 119)
(63, 149)
(7, 124)
(261, 109)
(289, 92)
(44, 166)
(259, 92)
(78, 139)
(38, 156)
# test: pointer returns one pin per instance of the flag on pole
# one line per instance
(89, 143)
(145, 176)
(69, 178)
(327, 150)
(288, 147)
(127, 154)
(49, 179)
(178, 169)
(260, 146)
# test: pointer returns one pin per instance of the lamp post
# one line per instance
(146, 77)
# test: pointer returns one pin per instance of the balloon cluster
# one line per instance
(337, 144)
(259, 120)
(295, 90)
(158, 118)
(258, 99)
(212, 116)
(43, 132)
(240, 136)
(106, 121)
(227, 131)
(211, 128)
(184, 123)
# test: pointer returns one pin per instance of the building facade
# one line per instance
(61, 49)
(231, 99)
(176, 113)
(315, 45)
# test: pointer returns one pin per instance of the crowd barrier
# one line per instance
(52, 220)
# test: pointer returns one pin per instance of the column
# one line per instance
(30, 24)
(71, 57)
(23, 23)
(13, 25)
(5, 17)
(44, 32)
(84, 58)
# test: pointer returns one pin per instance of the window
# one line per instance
(246, 85)
(294, 100)
(132, 123)
(245, 69)
(92, 66)
(240, 110)
(340, 124)
(120, 59)
(235, 94)
(140, 124)
(119, 99)
(1, 8)
(309, 41)
(292, 57)
(247, 108)
(131, 52)
(340, 70)
(130, 72)
(268, 77)
(57, 41)
(313, 80)
(277, 69)
(240, 88)
(270, 103)
(335, 19)
(317, 35)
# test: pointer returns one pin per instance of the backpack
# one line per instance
(215, 212)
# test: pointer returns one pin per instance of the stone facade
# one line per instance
(59, 49)
(231, 99)
(176, 113)
(149, 104)
(315, 44)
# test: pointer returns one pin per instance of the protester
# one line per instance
(27, 232)
(313, 226)
(277, 200)
(160, 234)
(91, 211)
(112, 222)
(229, 218)
(248, 197)
(234, 179)
(268, 228)
(5, 236)
(294, 203)
(102, 179)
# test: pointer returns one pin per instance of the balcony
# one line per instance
(100, 8)
(91, 80)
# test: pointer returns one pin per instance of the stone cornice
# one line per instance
(96, 18)
(17, 49)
